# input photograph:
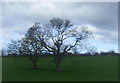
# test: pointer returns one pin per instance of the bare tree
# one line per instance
(91, 50)
(14, 48)
(27, 46)
(55, 37)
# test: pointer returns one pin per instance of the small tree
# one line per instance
(91, 50)
(27, 46)
(14, 48)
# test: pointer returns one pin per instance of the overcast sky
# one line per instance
(100, 17)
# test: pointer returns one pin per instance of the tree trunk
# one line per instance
(57, 60)
(34, 63)
(58, 67)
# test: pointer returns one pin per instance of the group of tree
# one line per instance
(102, 53)
(109, 53)
(52, 39)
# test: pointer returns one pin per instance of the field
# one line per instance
(78, 68)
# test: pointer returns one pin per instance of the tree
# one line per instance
(55, 37)
(91, 50)
(14, 48)
(31, 46)
(27, 46)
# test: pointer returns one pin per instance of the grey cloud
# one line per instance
(99, 14)
(18, 17)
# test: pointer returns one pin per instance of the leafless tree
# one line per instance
(14, 47)
(27, 46)
(91, 50)
(60, 36)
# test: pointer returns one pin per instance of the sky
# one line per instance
(100, 17)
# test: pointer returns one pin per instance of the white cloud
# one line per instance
(101, 17)
(104, 35)
(101, 50)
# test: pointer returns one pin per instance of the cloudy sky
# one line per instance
(100, 17)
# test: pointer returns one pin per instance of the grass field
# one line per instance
(79, 68)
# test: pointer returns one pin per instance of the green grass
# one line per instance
(79, 68)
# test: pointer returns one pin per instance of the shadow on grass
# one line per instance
(50, 70)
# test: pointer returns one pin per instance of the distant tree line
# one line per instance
(109, 53)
